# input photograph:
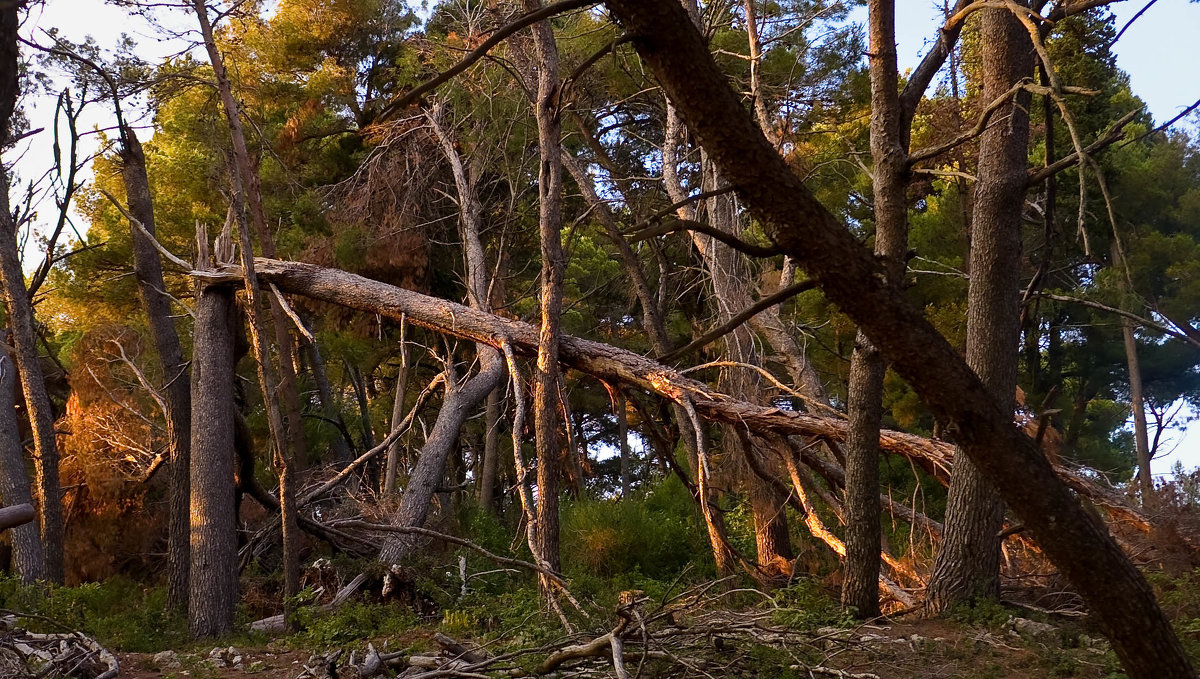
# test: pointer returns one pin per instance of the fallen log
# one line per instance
(613, 364)
(597, 359)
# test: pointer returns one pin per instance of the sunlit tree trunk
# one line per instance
(547, 377)
(968, 565)
(213, 581)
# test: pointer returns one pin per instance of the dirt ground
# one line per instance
(917, 649)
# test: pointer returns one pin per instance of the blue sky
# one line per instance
(1160, 51)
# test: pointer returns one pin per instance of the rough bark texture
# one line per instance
(860, 589)
(491, 451)
(14, 479)
(177, 384)
(287, 442)
(546, 376)
(21, 324)
(1119, 598)
(213, 526)
(968, 565)
(393, 455)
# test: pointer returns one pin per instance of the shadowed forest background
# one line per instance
(635, 338)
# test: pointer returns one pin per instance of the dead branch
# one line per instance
(615, 365)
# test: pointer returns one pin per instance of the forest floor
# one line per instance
(908, 649)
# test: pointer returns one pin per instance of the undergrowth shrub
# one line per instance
(119, 613)
(657, 535)
(806, 605)
(351, 623)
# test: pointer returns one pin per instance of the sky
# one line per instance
(1160, 52)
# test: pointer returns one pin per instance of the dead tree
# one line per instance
(461, 399)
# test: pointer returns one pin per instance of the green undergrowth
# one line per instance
(119, 613)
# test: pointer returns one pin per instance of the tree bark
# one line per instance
(393, 456)
(426, 477)
(860, 587)
(285, 440)
(14, 479)
(491, 451)
(547, 378)
(21, 322)
(623, 443)
(1117, 595)
(968, 565)
(214, 582)
(177, 384)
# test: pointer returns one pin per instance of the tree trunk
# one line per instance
(339, 446)
(21, 322)
(177, 384)
(623, 443)
(245, 188)
(460, 401)
(491, 451)
(547, 378)
(968, 565)
(393, 456)
(41, 414)
(14, 480)
(214, 575)
(860, 587)
(1117, 595)
(427, 475)
(1137, 400)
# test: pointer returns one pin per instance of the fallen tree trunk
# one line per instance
(613, 364)
(603, 361)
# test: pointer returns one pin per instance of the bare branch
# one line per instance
(741, 317)
(407, 99)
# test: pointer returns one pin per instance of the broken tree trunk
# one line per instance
(213, 575)
(177, 385)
